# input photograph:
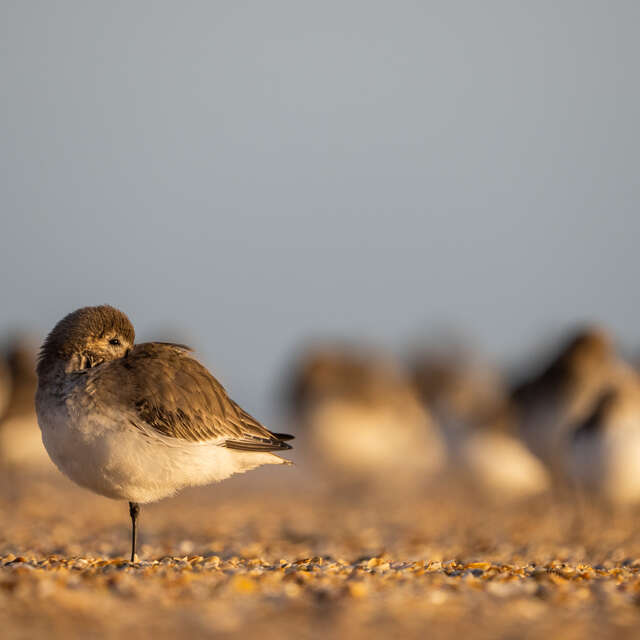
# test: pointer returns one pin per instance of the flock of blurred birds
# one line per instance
(364, 418)
(571, 421)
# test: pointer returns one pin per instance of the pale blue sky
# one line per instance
(250, 173)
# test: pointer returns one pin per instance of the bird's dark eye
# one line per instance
(114, 341)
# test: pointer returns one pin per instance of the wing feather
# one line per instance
(162, 386)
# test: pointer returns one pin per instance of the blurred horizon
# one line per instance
(245, 177)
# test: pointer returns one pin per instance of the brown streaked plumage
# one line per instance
(171, 392)
(80, 335)
(161, 382)
(139, 422)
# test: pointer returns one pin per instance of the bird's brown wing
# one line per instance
(163, 387)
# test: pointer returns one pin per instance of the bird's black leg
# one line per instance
(134, 511)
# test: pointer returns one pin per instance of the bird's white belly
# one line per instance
(115, 459)
(608, 464)
(502, 465)
(375, 441)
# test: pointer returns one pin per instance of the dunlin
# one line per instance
(604, 450)
(549, 404)
(458, 384)
(139, 422)
(469, 398)
(363, 418)
(20, 439)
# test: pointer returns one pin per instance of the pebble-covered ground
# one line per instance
(273, 555)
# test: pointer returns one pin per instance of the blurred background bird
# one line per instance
(361, 416)
(5, 385)
(469, 397)
(550, 402)
(603, 453)
(21, 445)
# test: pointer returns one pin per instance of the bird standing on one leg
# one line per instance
(139, 422)
(134, 512)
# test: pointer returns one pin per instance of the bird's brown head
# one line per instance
(590, 350)
(85, 338)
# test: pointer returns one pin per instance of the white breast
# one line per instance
(104, 452)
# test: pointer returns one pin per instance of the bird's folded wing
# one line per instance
(163, 387)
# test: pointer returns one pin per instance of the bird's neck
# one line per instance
(56, 369)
